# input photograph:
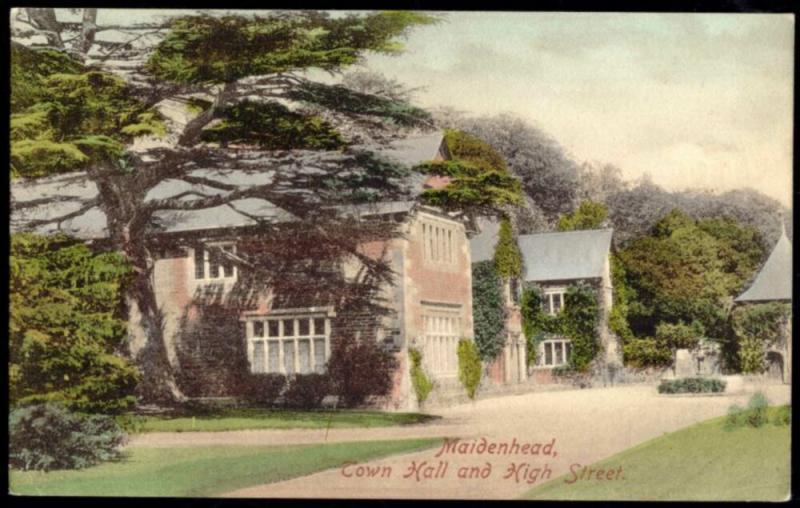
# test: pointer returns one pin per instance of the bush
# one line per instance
(261, 389)
(735, 416)
(757, 410)
(306, 391)
(359, 369)
(469, 366)
(489, 309)
(642, 353)
(49, 436)
(782, 415)
(419, 380)
(757, 413)
(691, 385)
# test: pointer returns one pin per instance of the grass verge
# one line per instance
(249, 419)
(707, 461)
(203, 471)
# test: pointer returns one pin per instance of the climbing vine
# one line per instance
(757, 326)
(489, 310)
(577, 322)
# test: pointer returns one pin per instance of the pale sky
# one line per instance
(695, 100)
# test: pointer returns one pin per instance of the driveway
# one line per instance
(587, 426)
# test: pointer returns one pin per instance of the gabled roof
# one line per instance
(565, 255)
(482, 245)
(774, 281)
(59, 195)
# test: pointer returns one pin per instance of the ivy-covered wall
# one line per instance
(577, 322)
(489, 310)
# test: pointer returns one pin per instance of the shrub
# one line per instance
(49, 436)
(469, 366)
(691, 385)
(261, 389)
(782, 415)
(735, 416)
(679, 335)
(757, 410)
(306, 391)
(419, 380)
(359, 369)
(641, 353)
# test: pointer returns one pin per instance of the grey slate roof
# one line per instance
(75, 189)
(774, 281)
(482, 245)
(565, 255)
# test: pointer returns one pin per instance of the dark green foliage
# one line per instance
(679, 335)
(691, 385)
(260, 390)
(306, 391)
(757, 326)
(419, 380)
(210, 49)
(618, 317)
(756, 414)
(489, 310)
(67, 325)
(507, 256)
(589, 215)
(688, 270)
(479, 178)
(646, 352)
(344, 101)
(49, 436)
(580, 317)
(66, 116)
(272, 126)
(469, 366)
(359, 370)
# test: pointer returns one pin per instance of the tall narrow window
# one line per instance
(199, 263)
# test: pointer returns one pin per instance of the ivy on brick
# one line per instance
(489, 310)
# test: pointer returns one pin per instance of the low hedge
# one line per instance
(691, 385)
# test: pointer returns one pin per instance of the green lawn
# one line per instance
(706, 461)
(203, 471)
(245, 419)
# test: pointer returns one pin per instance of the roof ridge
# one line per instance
(567, 232)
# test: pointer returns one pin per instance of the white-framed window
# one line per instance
(211, 264)
(554, 352)
(553, 300)
(442, 329)
(290, 344)
(439, 242)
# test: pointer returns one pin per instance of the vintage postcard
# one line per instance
(400, 254)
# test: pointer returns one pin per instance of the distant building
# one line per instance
(773, 283)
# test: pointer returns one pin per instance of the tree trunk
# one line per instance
(158, 384)
(45, 19)
(127, 228)
(88, 31)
